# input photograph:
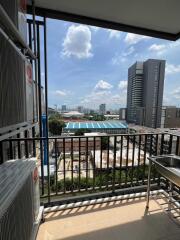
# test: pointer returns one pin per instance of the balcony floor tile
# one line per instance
(115, 220)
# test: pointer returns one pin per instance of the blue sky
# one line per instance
(88, 66)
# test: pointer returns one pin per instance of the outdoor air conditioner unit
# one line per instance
(20, 211)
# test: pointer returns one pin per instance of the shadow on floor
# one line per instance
(93, 208)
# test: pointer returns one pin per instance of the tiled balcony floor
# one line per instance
(110, 221)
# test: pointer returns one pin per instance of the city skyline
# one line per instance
(95, 70)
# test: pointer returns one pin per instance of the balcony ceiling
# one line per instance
(158, 18)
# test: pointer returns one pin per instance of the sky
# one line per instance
(88, 65)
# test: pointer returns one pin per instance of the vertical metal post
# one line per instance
(64, 164)
(120, 169)
(170, 144)
(72, 166)
(94, 161)
(79, 178)
(133, 152)
(149, 184)
(162, 144)
(114, 164)
(34, 142)
(19, 146)
(40, 109)
(107, 184)
(26, 144)
(46, 100)
(127, 160)
(177, 146)
(35, 53)
(87, 170)
(1, 153)
(56, 163)
(144, 160)
(101, 164)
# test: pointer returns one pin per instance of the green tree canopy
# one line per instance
(56, 124)
(81, 131)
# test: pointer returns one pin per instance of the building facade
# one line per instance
(122, 114)
(102, 109)
(170, 117)
(63, 108)
(145, 92)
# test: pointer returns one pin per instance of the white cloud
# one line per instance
(122, 85)
(114, 33)
(172, 69)
(128, 52)
(77, 42)
(121, 58)
(103, 85)
(157, 47)
(176, 93)
(60, 93)
(107, 97)
(132, 38)
(94, 28)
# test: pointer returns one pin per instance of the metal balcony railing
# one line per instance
(75, 166)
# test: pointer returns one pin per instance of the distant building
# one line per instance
(145, 92)
(122, 113)
(80, 109)
(72, 114)
(63, 108)
(112, 126)
(170, 117)
(102, 109)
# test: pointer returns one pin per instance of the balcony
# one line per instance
(124, 219)
(88, 183)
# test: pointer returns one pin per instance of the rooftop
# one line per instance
(97, 125)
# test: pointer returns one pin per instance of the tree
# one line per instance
(104, 142)
(81, 131)
(56, 124)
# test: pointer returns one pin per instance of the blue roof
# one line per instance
(97, 124)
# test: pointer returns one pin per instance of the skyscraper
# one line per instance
(145, 92)
(102, 109)
(63, 108)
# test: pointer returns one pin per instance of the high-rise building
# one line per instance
(145, 92)
(170, 117)
(80, 109)
(102, 109)
(63, 108)
(122, 113)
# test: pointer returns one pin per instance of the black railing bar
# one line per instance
(38, 22)
(127, 159)
(74, 137)
(133, 152)
(79, 177)
(87, 162)
(55, 148)
(94, 161)
(124, 186)
(177, 145)
(120, 162)
(139, 155)
(5, 137)
(114, 164)
(72, 165)
(19, 147)
(34, 142)
(101, 163)
(64, 165)
(170, 144)
(108, 161)
(135, 190)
